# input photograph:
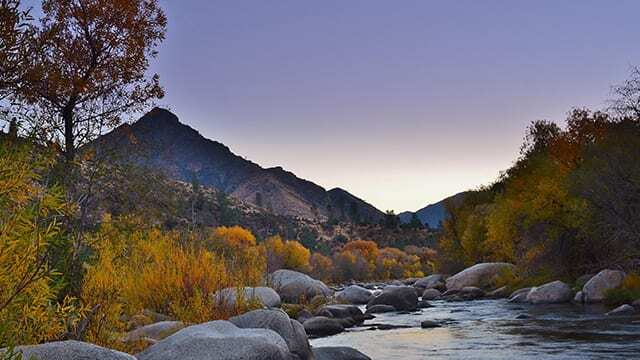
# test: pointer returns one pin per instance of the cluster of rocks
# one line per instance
(270, 333)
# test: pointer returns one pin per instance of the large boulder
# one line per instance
(354, 294)
(220, 340)
(277, 320)
(594, 290)
(69, 350)
(480, 275)
(400, 297)
(551, 293)
(429, 282)
(155, 331)
(323, 326)
(338, 353)
(264, 295)
(293, 286)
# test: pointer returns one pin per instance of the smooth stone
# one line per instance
(338, 353)
(69, 350)
(293, 286)
(354, 294)
(323, 326)
(625, 309)
(551, 293)
(219, 340)
(401, 298)
(595, 289)
(480, 275)
(277, 320)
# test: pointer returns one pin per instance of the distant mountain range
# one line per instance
(159, 140)
(433, 214)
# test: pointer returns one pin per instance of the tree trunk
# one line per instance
(69, 146)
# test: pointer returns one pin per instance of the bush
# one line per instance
(628, 292)
(138, 268)
(30, 227)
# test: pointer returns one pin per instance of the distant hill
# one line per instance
(432, 214)
(161, 141)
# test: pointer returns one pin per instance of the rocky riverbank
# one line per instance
(271, 333)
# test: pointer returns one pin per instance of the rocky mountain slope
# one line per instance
(159, 140)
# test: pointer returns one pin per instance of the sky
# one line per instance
(402, 103)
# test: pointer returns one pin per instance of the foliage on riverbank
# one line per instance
(568, 206)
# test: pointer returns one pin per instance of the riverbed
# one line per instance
(496, 329)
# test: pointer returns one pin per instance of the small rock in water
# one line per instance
(428, 324)
(431, 294)
(523, 316)
(625, 309)
(323, 326)
(424, 304)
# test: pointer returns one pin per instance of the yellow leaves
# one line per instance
(28, 227)
(288, 254)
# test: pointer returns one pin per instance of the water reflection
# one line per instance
(498, 330)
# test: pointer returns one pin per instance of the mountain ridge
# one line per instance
(159, 140)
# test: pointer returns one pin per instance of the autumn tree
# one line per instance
(90, 65)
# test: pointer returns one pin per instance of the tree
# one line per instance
(15, 33)
(90, 63)
(627, 103)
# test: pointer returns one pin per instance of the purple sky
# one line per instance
(399, 102)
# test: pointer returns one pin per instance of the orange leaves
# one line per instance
(234, 237)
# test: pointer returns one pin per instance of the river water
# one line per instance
(492, 329)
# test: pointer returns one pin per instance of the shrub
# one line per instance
(626, 293)
(30, 227)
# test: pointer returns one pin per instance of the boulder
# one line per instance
(480, 275)
(156, 331)
(219, 340)
(621, 310)
(499, 293)
(323, 326)
(354, 294)
(400, 297)
(69, 350)
(636, 303)
(431, 294)
(378, 309)
(343, 312)
(594, 290)
(264, 295)
(338, 353)
(429, 282)
(277, 320)
(292, 286)
(304, 315)
(551, 293)
(519, 296)
(423, 304)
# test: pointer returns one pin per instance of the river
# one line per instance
(496, 329)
